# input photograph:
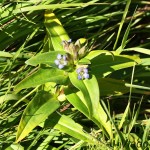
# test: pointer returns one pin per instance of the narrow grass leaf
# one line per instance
(146, 132)
(139, 49)
(133, 121)
(122, 22)
(137, 86)
(45, 143)
(125, 114)
(125, 37)
(120, 135)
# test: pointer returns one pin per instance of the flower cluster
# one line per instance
(82, 73)
(77, 49)
(61, 61)
(74, 52)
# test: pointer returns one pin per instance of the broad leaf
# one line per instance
(117, 87)
(145, 61)
(89, 88)
(90, 99)
(103, 64)
(44, 58)
(55, 31)
(15, 147)
(68, 126)
(41, 106)
(77, 102)
(5, 54)
(41, 77)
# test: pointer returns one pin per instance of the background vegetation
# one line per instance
(43, 109)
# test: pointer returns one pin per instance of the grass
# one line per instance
(121, 28)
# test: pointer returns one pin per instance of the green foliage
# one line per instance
(43, 75)
(39, 108)
(90, 92)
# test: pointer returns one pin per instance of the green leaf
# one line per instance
(15, 147)
(55, 31)
(86, 87)
(44, 58)
(125, 37)
(96, 53)
(84, 61)
(117, 87)
(146, 131)
(25, 8)
(90, 99)
(8, 97)
(103, 64)
(68, 126)
(122, 22)
(41, 77)
(41, 106)
(145, 61)
(139, 49)
(134, 118)
(5, 54)
(78, 102)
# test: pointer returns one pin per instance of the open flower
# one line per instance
(82, 73)
(61, 61)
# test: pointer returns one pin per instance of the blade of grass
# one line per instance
(125, 37)
(122, 22)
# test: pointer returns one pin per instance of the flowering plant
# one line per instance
(72, 72)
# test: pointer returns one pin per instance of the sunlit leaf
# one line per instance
(40, 107)
(5, 54)
(8, 97)
(139, 49)
(78, 102)
(15, 147)
(103, 64)
(55, 31)
(41, 77)
(69, 126)
(44, 58)
(91, 96)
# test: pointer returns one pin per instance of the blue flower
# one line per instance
(61, 61)
(82, 73)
